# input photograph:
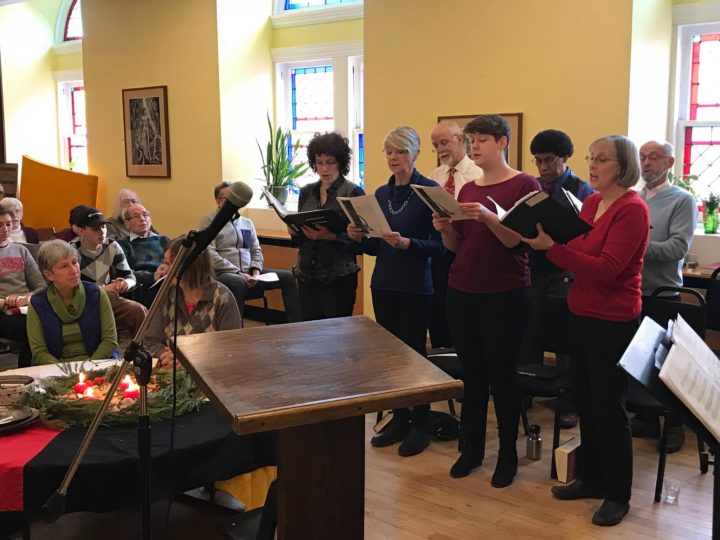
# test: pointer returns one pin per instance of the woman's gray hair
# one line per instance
(12, 204)
(53, 251)
(117, 203)
(628, 159)
(403, 138)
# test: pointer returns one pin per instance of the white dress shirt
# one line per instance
(465, 171)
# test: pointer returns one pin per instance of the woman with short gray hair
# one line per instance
(19, 233)
(605, 301)
(401, 285)
(71, 319)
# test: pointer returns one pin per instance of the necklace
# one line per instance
(402, 206)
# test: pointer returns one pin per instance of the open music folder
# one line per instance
(331, 219)
(559, 218)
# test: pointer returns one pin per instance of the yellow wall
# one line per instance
(652, 40)
(139, 43)
(318, 33)
(67, 62)
(28, 86)
(566, 68)
(246, 87)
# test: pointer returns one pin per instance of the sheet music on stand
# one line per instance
(692, 372)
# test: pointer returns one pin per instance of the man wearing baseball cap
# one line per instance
(103, 262)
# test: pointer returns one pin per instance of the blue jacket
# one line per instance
(408, 270)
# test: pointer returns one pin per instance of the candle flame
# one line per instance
(127, 380)
(81, 378)
(131, 386)
(89, 392)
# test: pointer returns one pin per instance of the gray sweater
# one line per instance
(236, 247)
(673, 216)
(19, 272)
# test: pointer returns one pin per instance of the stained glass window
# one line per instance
(73, 24)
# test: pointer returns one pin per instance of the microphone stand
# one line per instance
(141, 361)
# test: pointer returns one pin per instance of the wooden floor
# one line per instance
(415, 498)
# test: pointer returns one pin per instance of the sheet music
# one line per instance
(440, 201)
(365, 213)
(692, 371)
(500, 210)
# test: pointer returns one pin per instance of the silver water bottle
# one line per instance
(534, 443)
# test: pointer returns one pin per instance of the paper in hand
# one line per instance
(268, 278)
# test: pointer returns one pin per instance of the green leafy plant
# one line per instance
(278, 167)
(685, 181)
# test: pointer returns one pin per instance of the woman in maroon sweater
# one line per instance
(605, 302)
(487, 299)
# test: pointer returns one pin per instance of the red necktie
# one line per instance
(450, 184)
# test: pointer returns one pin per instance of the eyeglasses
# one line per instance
(329, 163)
(545, 161)
(598, 159)
(652, 157)
(392, 151)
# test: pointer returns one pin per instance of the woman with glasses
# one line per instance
(487, 298)
(326, 268)
(401, 283)
(605, 302)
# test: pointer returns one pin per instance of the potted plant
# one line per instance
(685, 181)
(278, 168)
(711, 214)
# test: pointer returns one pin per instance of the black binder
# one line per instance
(333, 220)
(559, 219)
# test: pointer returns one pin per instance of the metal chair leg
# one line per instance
(661, 461)
(266, 310)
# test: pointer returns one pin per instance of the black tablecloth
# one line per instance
(107, 479)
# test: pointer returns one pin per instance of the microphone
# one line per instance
(238, 196)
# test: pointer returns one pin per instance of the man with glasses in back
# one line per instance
(143, 249)
(551, 149)
(456, 169)
(673, 216)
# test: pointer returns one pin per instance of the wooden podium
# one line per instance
(313, 382)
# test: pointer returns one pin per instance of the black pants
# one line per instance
(439, 331)
(286, 283)
(327, 300)
(406, 316)
(14, 327)
(599, 390)
(486, 331)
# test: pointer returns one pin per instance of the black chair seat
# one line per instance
(543, 380)
(639, 401)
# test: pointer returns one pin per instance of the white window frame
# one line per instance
(65, 80)
(346, 58)
(314, 15)
(688, 20)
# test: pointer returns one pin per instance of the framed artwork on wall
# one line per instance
(147, 141)
(514, 150)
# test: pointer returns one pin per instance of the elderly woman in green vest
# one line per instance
(71, 319)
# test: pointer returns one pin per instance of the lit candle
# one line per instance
(89, 393)
(131, 392)
(125, 383)
(80, 387)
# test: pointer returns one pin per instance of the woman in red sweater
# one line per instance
(605, 303)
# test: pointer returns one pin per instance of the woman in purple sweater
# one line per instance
(487, 298)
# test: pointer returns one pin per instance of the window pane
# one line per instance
(702, 158)
(73, 29)
(301, 4)
(312, 98)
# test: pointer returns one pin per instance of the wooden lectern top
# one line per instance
(273, 377)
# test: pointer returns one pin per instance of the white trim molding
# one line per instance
(318, 15)
(68, 47)
(68, 75)
(314, 52)
(696, 13)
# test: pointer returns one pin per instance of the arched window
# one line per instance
(73, 23)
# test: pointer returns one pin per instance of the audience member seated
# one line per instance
(143, 248)
(69, 233)
(103, 262)
(117, 228)
(205, 306)
(19, 278)
(238, 260)
(20, 233)
(71, 319)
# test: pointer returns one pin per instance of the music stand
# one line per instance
(650, 342)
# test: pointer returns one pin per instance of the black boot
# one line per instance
(395, 431)
(470, 459)
(506, 467)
